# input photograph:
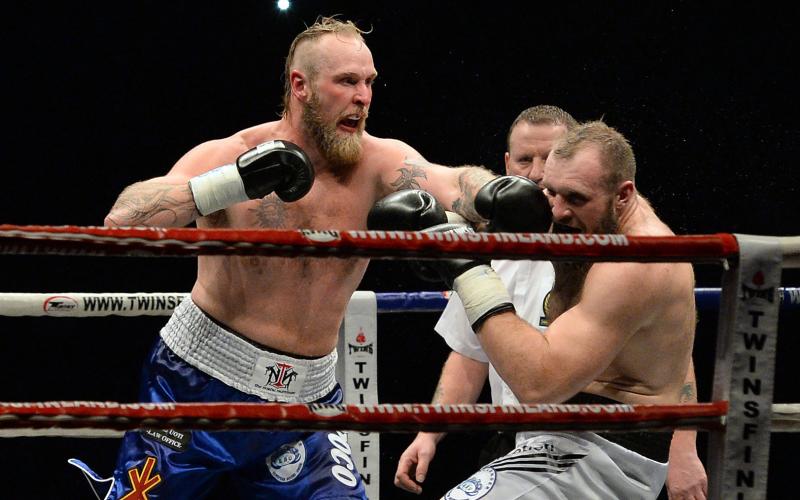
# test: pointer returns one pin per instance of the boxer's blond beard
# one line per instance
(341, 152)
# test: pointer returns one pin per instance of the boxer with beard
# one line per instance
(243, 335)
(539, 294)
(619, 332)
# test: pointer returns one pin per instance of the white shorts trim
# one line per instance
(212, 349)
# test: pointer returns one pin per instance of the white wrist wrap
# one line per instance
(454, 218)
(481, 290)
(217, 189)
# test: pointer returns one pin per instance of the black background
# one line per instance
(99, 96)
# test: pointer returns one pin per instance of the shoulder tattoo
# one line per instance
(408, 175)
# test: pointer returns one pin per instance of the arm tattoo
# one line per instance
(469, 182)
(154, 203)
(406, 179)
(688, 393)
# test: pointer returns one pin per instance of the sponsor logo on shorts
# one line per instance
(277, 379)
(59, 304)
(321, 236)
(345, 470)
(281, 376)
(143, 481)
(176, 440)
(287, 462)
(476, 486)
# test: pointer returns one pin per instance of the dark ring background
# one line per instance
(100, 95)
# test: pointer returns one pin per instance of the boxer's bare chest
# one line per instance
(329, 205)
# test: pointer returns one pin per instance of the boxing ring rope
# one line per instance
(409, 245)
(414, 417)
(82, 305)
(745, 354)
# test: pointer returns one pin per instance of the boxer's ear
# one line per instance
(300, 86)
(625, 193)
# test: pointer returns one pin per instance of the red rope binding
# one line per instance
(382, 418)
(138, 241)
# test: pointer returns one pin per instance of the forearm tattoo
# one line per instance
(688, 393)
(154, 203)
(469, 182)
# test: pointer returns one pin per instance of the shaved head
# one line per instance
(304, 56)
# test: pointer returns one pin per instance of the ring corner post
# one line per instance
(357, 371)
(744, 370)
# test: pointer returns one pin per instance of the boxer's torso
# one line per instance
(651, 366)
(292, 304)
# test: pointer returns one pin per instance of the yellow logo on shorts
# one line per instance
(142, 482)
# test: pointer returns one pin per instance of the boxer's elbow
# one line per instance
(541, 388)
(529, 395)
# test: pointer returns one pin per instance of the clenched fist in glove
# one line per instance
(278, 166)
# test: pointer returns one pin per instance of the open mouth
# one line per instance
(350, 123)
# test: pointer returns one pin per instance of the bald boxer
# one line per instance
(529, 141)
(243, 335)
(618, 332)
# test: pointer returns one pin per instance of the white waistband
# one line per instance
(210, 348)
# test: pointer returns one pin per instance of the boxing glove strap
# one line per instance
(218, 189)
(483, 294)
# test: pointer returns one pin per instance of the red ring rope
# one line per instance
(139, 241)
(382, 417)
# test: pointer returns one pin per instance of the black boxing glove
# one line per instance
(514, 204)
(278, 166)
(415, 210)
(407, 210)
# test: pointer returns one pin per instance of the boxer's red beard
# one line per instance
(609, 223)
(342, 151)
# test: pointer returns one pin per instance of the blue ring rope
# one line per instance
(706, 299)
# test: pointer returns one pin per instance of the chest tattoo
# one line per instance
(270, 213)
